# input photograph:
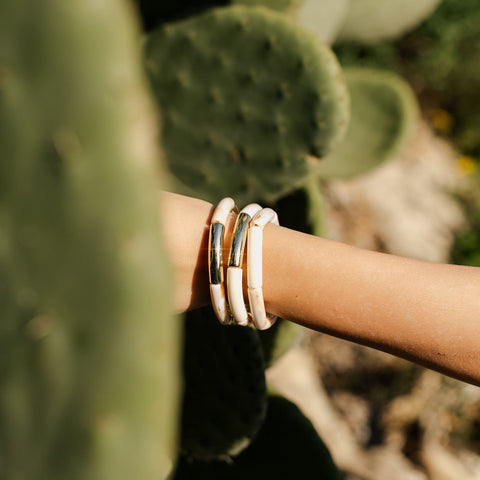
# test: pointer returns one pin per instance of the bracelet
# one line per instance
(261, 319)
(215, 260)
(234, 271)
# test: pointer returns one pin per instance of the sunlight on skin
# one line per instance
(426, 312)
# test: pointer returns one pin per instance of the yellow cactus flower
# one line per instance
(466, 164)
(442, 120)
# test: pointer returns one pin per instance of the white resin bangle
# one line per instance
(234, 271)
(261, 319)
(215, 260)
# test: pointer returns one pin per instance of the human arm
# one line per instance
(426, 312)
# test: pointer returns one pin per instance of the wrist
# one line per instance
(185, 224)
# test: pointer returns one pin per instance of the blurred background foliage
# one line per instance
(441, 61)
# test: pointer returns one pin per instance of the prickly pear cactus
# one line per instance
(249, 101)
(370, 21)
(383, 119)
(225, 394)
(279, 339)
(285, 6)
(88, 349)
(287, 446)
(323, 18)
(303, 210)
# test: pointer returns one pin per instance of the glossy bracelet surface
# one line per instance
(215, 260)
(234, 271)
(261, 319)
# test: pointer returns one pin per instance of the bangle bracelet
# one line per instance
(261, 319)
(234, 271)
(215, 260)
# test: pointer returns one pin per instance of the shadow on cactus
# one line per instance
(224, 398)
(287, 446)
(155, 13)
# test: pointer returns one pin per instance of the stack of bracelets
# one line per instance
(248, 229)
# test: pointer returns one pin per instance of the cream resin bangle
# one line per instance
(234, 271)
(261, 319)
(215, 260)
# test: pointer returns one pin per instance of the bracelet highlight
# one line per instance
(248, 231)
(234, 271)
(215, 260)
(261, 319)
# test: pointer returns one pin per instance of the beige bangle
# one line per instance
(215, 260)
(261, 319)
(234, 271)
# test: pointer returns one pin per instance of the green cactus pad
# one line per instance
(225, 392)
(323, 18)
(384, 117)
(316, 212)
(285, 6)
(279, 339)
(247, 97)
(287, 446)
(88, 348)
(370, 21)
(304, 209)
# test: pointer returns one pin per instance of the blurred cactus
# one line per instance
(323, 18)
(383, 118)
(88, 349)
(249, 101)
(224, 401)
(284, 6)
(279, 339)
(440, 59)
(369, 21)
(287, 446)
(304, 209)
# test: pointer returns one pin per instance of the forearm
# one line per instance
(426, 312)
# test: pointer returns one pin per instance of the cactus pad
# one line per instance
(304, 209)
(323, 18)
(277, 340)
(370, 21)
(88, 349)
(225, 392)
(287, 446)
(247, 97)
(384, 116)
(285, 6)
